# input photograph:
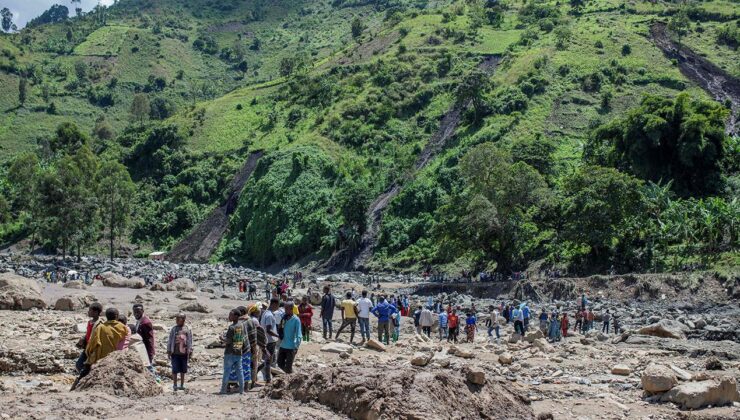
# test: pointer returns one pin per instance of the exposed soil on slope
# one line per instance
(720, 84)
(200, 243)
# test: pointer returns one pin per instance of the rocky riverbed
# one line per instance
(677, 356)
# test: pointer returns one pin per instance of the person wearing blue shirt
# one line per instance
(525, 312)
(442, 325)
(383, 310)
(291, 339)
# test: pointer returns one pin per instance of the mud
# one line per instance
(121, 373)
(401, 392)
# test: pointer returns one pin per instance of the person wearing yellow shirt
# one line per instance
(103, 341)
(349, 311)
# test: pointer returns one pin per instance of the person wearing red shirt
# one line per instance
(452, 324)
(305, 313)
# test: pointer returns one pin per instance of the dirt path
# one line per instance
(200, 243)
(343, 259)
(717, 82)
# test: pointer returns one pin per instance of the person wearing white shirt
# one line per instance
(364, 305)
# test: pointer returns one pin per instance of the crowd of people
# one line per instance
(267, 335)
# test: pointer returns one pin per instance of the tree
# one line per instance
(103, 130)
(679, 24)
(115, 192)
(577, 5)
(355, 198)
(81, 71)
(140, 108)
(471, 90)
(69, 139)
(680, 140)
(562, 36)
(22, 177)
(22, 91)
(357, 27)
(238, 50)
(7, 20)
(161, 108)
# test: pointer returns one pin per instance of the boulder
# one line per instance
(336, 348)
(465, 354)
(75, 284)
(681, 374)
(157, 287)
(534, 335)
(421, 359)
(475, 375)
(111, 279)
(666, 328)
(185, 296)
(543, 345)
(658, 378)
(515, 338)
(181, 285)
(505, 358)
(19, 293)
(375, 345)
(693, 395)
(195, 306)
(713, 363)
(620, 369)
(700, 323)
(74, 303)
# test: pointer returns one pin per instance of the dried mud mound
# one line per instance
(400, 393)
(120, 373)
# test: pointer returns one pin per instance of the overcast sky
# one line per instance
(25, 10)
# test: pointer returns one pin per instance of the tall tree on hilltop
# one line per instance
(115, 192)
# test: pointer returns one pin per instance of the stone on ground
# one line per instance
(73, 303)
(75, 284)
(505, 358)
(475, 375)
(666, 328)
(421, 359)
(195, 306)
(181, 285)
(111, 279)
(714, 392)
(337, 348)
(375, 345)
(658, 378)
(620, 369)
(19, 293)
(534, 335)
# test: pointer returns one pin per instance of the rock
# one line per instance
(465, 354)
(420, 359)
(185, 296)
(195, 306)
(75, 284)
(681, 374)
(111, 279)
(515, 338)
(181, 285)
(693, 395)
(666, 328)
(713, 363)
(658, 378)
(602, 337)
(534, 335)
(375, 345)
(476, 376)
(587, 341)
(157, 287)
(700, 323)
(19, 293)
(620, 369)
(337, 348)
(74, 303)
(543, 345)
(505, 358)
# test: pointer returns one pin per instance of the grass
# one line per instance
(104, 42)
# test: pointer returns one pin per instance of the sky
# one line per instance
(25, 10)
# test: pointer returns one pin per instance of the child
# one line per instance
(234, 340)
(179, 350)
(123, 344)
(564, 324)
(305, 313)
(470, 327)
(396, 320)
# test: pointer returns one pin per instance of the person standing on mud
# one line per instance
(348, 310)
(442, 325)
(234, 340)
(579, 320)
(269, 324)
(179, 350)
(589, 320)
(452, 324)
(93, 312)
(305, 313)
(328, 302)
(383, 310)
(426, 320)
(493, 323)
(605, 319)
(291, 340)
(145, 329)
(364, 305)
(470, 327)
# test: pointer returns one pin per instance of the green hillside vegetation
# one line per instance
(578, 150)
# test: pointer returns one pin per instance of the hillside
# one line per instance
(389, 139)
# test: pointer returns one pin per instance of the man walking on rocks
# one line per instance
(349, 316)
(145, 329)
(364, 305)
(452, 325)
(328, 302)
(589, 320)
(291, 340)
(442, 325)
(179, 350)
(269, 324)
(383, 310)
(493, 323)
